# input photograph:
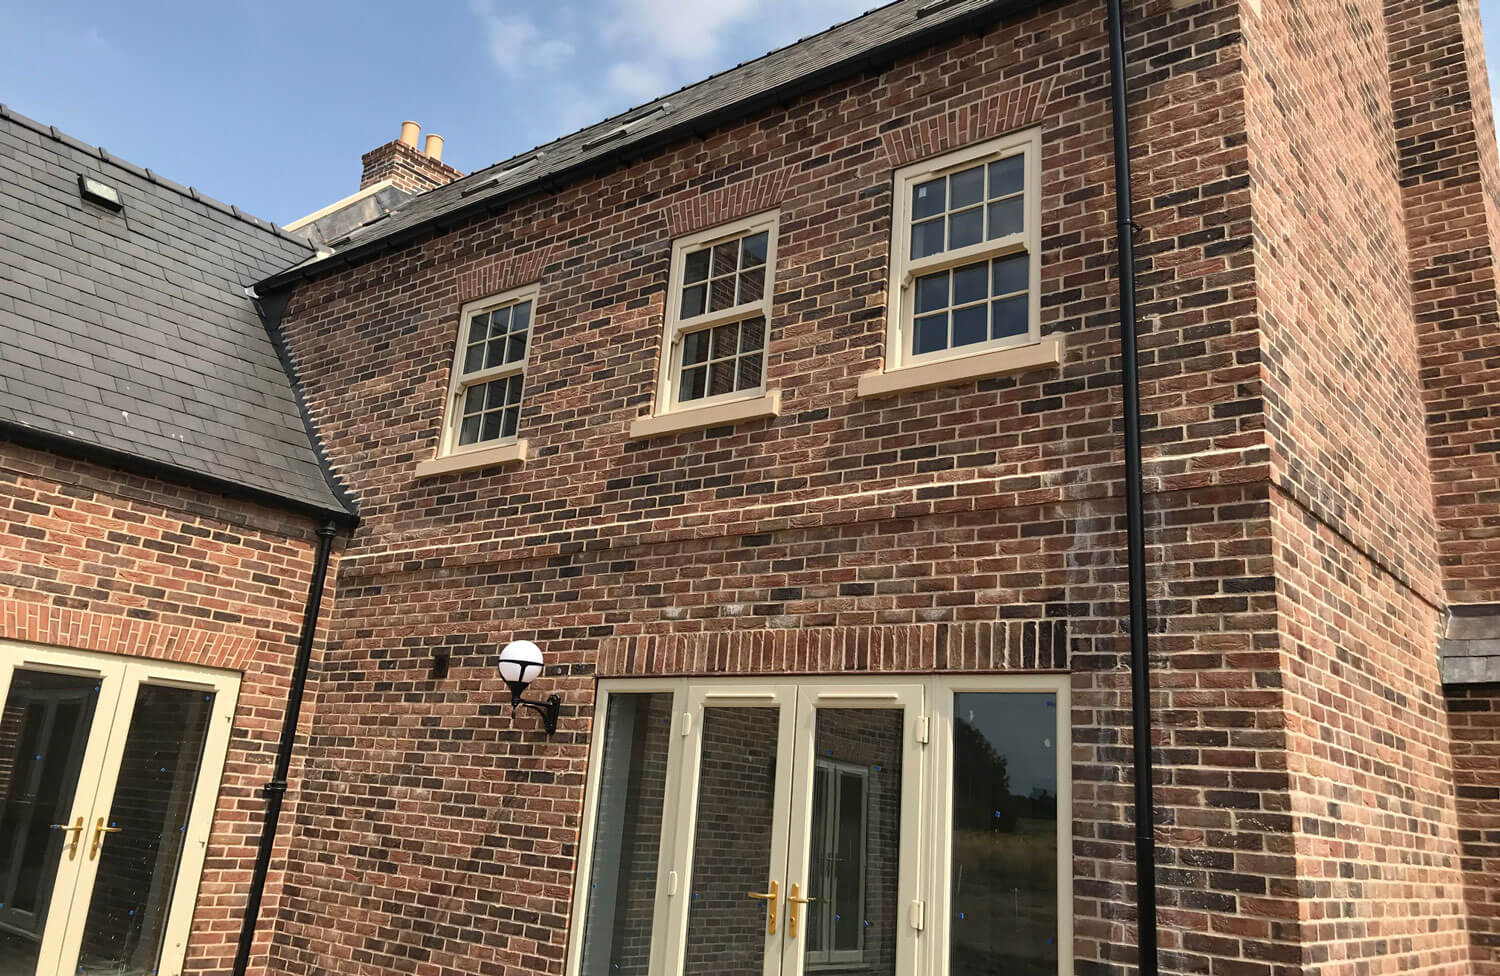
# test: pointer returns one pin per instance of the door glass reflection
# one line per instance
(627, 835)
(1004, 910)
(43, 733)
(726, 932)
(158, 776)
(855, 843)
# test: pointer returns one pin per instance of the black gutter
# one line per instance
(276, 788)
(690, 127)
(1140, 660)
(46, 440)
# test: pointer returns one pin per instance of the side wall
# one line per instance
(95, 559)
(1474, 720)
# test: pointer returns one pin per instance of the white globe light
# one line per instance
(520, 663)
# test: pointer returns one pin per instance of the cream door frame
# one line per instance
(859, 692)
(120, 679)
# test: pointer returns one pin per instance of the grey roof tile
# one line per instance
(132, 331)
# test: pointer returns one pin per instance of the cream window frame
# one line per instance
(904, 271)
(459, 384)
(669, 373)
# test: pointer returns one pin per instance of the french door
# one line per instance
(848, 826)
(109, 769)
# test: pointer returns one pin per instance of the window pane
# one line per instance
(692, 301)
(970, 284)
(1006, 217)
(931, 334)
(496, 394)
(966, 188)
(513, 392)
(726, 257)
(970, 325)
(965, 228)
(1011, 274)
(621, 899)
(928, 198)
(696, 267)
(927, 238)
(726, 341)
(695, 347)
(932, 292)
(1004, 911)
(474, 398)
(477, 326)
(495, 354)
(515, 349)
(752, 334)
(753, 250)
(752, 285)
(750, 370)
(511, 423)
(469, 432)
(722, 293)
(489, 430)
(721, 378)
(520, 317)
(474, 358)
(694, 384)
(1008, 317)
(1007, 176)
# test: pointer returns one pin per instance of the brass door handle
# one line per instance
(77, 830)
(99, 831)
(770, 898)
(794, 904)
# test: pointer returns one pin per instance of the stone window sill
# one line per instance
(645, 428)
(1016, 359)
(471, 460)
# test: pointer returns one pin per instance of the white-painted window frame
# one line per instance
(904, 271)
(459, 384)
(675, 328)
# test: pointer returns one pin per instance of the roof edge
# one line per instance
(648, 143)
(140, 172)
(46, 440)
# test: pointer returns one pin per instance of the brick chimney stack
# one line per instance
(409, 168)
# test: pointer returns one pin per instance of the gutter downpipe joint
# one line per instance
(1140, 661)
(276, 788)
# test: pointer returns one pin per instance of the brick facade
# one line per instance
(95, 559)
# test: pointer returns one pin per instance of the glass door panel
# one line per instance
(1003, 888)
(138, 845)
(853, 855)
(44, 733)
(621, 897)
(733, 819)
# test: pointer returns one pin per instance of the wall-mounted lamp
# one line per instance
(520, 663)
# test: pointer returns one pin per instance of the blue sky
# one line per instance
(269, 104)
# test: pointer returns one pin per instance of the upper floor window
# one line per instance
(718, 310)
(489, 372)
(964, 269)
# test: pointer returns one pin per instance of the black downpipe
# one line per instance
(276, 788)
(1140, 662)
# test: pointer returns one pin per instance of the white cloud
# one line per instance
(636, 81)
(679, 30)
(516, 44)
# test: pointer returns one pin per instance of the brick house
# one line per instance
(783, 414)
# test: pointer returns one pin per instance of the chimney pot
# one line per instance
(409, 132)
(434, 147)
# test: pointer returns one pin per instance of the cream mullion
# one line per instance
(708, 320)
(493, 373)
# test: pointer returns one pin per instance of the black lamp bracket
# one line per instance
(548, 710)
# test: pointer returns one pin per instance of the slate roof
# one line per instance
(1470, 645)
(866, 41)
(130, 334)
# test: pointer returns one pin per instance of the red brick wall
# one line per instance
(1474, 719)
(96, 559)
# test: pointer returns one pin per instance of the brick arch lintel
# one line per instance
(1014, 108)
(491, 276)
(692, 211)
(113, 634)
